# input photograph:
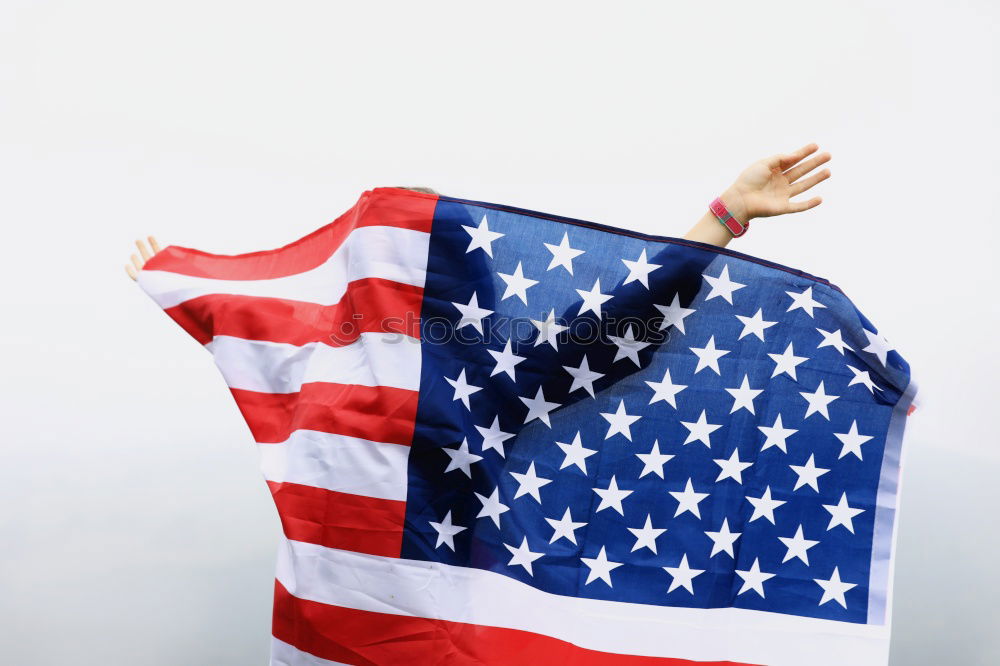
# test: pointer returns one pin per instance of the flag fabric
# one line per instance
(496, 436)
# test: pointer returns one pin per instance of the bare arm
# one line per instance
(764, 189)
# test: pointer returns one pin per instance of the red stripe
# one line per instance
(371, 305)
(366, 637)
(382, 207)
(377, 413)
(340, 520)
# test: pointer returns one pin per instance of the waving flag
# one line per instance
(495, 436)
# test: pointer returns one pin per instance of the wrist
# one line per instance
(725, 217)
(733, 200)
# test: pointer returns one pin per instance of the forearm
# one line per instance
(709, 230)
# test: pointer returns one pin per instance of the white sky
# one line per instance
(137, 528)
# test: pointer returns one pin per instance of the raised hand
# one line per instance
(766, 187)
(138, 261)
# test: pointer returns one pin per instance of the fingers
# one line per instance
(798, 155)
(797, 172)
(803, 185)
(799, 206)
(791, 159)
(138, 261)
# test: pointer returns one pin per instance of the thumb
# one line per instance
(776, 161)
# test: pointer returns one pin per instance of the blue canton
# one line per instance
(615, 416)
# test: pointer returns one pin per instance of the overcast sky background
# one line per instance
(136, 528)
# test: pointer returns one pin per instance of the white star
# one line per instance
(723, 540)
(842, 514)
(701, 430)
(583, 376)
(446, 531)
(517, 284)
(522, 556)
(743, 396)
(640, 269)
(764, 506)
(776, 435)
(530, 483)
(786, 362)
(818, 401)
(593, 299)
(492, 507)
(482, 237)
(645, 536)
(494, 437)
(665, 390)
(683, 575)
(652, 462)
(620, 422)
(688, 500)
(548, 330)
(564, 528)
(732, 468)
(600, 567)
(798, 546)
(755, 325)
(852, 441)
(472, 314)
(538, 408)
(878, 345)
(628, 346)
(804, 300)
(612, 497)
(506, 361)
(562, 254)
(834, 588)
(722, 286)
(708, 356)
(674, 314)
(862, 377)
(575, 454)
(463, 389)
(833, 339)
(753, 579)
(461, 458)
(808, 474)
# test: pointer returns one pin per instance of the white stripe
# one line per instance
(886, 507)
(460, 594)
(391, 253)
(335, 462)
(283, 654)
(374, 359)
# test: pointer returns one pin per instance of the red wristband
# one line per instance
(735, 227)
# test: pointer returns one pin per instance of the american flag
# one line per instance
(496, 436)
